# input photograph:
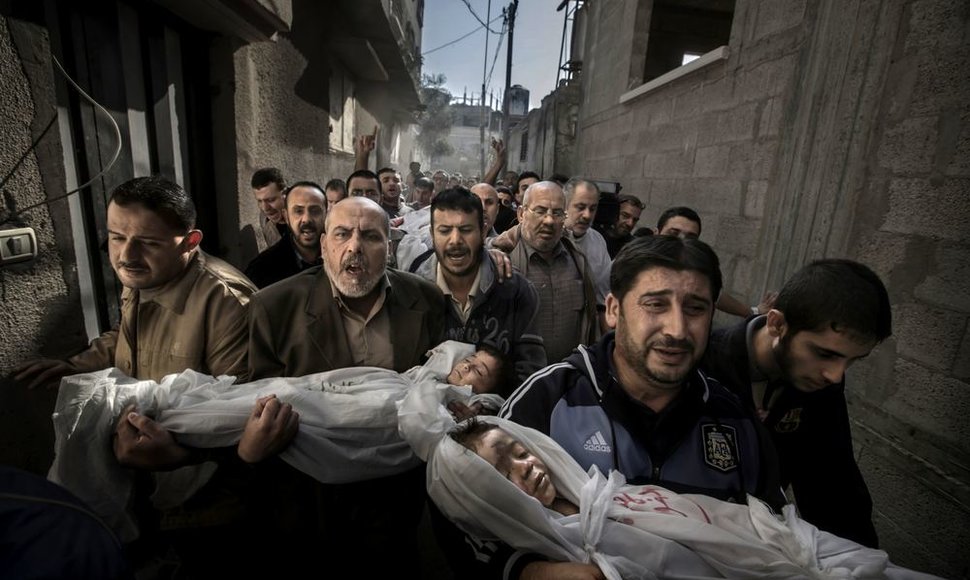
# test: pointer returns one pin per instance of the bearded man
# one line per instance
(351, 311)
(636, 402)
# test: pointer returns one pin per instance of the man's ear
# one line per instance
(519, 213)
(612, 310)
(776, 324)
(192, 240)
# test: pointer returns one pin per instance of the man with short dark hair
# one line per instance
(365, 183)
(268, 185)
(636, 401)
(391, 192)
(526, 179)
(685, 223)
(335, 189)
(481, 309)
(789, 366)
(305, 204)
(679, 221)
(621, 233)
(180, 309)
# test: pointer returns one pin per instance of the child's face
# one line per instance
(517, 464)
(477, 370)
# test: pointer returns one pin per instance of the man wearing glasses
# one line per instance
(557, 269)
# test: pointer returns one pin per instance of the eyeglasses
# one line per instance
(542, 212)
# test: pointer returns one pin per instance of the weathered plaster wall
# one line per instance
(39, 303)
(832, 129)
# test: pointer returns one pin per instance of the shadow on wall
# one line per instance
(26, 431)
(248, 246)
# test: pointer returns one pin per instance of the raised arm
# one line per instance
(498, 162)
(363, 145)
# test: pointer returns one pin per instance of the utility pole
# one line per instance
(510, 16)
(481, 103)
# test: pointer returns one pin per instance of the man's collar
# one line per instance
(442, 283)
(175, 293)
(572, 235)
(299, 257)
(750, 337)
(529, 250)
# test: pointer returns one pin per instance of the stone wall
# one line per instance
(39, 301)
(832, 129)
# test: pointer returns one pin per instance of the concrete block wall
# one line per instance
(913, 431)
(833, 129)
(708, 140)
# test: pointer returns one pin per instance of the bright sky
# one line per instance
(535, 58)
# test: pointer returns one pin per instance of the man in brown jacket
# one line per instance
(352, 311)
(181, 309)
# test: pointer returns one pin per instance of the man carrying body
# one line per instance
(789, 365)
(635, 401)
(622, 231)
(305, 205)
(180, 309)
(684, 223)
(480, 309)
(352, 311)
(268, 186)
(560, 272)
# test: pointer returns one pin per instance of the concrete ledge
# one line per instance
(718, 54)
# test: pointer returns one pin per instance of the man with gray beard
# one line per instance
(335, 316)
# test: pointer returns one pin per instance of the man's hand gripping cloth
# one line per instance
(628, 531)
(348, 427)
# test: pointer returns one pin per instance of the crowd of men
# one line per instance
(608, 329)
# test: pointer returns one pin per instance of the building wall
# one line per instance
(40, 300)
(833, 129)
(550, 134)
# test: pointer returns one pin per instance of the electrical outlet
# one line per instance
(17, 245)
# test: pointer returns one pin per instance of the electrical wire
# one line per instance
(498, 47)
(114, 158)
(460, 38)
(477, 17)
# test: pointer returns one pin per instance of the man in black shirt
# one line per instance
(306, 211)
(789, 366)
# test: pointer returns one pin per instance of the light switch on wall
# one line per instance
(17, 245)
